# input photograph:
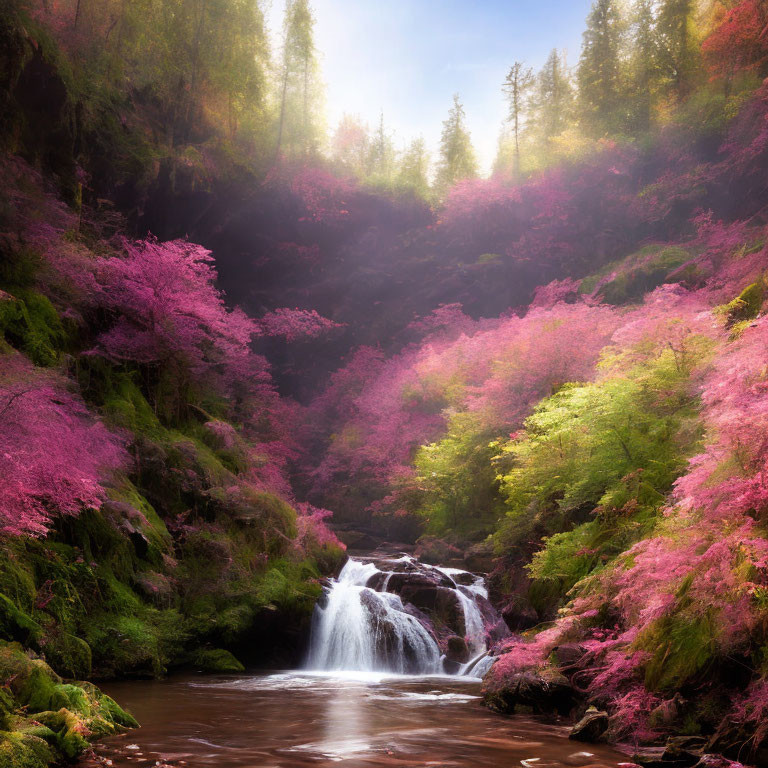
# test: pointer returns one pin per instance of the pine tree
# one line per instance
(516, 87)
(552, 100)
(457, 156)
(599, 69)
(643, 66)
(297, 131)
(382, 156)
(413, 173)
(677, 43)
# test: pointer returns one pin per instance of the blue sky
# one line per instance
(408, 57)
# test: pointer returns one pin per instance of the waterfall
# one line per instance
(360, 626)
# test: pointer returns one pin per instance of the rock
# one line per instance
(668, 712)
(653, 757)
(451, 667)
(357, 540)
(480, 558)
(538, 692)
(569, 655)
(519, 615)
(591, 727)
(684, 748)
(457, 650)
(717, 761)
(218, 660)
(436, 551)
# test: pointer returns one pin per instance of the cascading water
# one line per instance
(361, 626)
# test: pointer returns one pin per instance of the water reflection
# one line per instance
(293, 720)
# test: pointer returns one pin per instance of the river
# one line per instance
(360, 720)
(375, 692)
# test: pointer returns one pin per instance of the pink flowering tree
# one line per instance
(55, 458)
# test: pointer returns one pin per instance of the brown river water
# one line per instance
(295, 719)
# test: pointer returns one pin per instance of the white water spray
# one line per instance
(360, 629)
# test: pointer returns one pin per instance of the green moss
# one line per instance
(746, 306)
(683, 648)
(69, 655)
(634, 279)
(15, 624)
(31, 681)
(19, 750)
(218, 660)
(29, 322)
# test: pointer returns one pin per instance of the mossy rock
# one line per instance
(68, 729)
(746, 306)
(656, 267)
(30, 322)
(69, 656)
(218, 660)
(31, 681)
(17, 625)
(24, 750)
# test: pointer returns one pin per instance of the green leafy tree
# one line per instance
(457, 156)
(590, 472)
(459, 489)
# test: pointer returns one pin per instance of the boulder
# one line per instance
(591, 727)
(538, 692)
(689, 748)
(436, 551)
(519, 615)
(457, 650)
(480, 558)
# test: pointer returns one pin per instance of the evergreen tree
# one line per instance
(413, 172)
(678, 49)
(381, 161)
(457, 157)
(643, 66)
(516, 87)
(552, 100)
(599, 69)
(297, 130)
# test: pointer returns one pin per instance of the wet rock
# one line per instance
(519, 615)
(538, 692)
(457, 650)
(689, 748)
(591, 727)
(653, 757)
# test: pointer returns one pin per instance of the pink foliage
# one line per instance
(293, 324)
(54, 456)
(167, 308)
(312, 529)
